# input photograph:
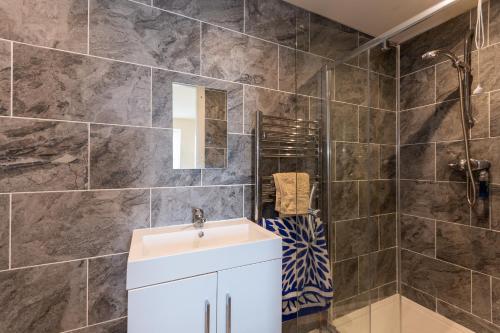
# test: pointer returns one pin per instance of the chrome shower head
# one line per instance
(435, 53)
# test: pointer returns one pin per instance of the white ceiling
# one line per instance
(375, 17)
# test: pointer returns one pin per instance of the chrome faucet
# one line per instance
(199, 220)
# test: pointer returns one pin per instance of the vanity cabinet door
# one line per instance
(249, 299)
(188, 305)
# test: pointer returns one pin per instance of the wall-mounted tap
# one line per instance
(199, 220)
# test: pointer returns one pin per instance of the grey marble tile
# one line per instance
(235, 57)
(377, 269)
(345, 200)
(446, 82)
(387, 98)
(377, 197)
(116, 326)
(345, 274)
(353, 161)
(215, 133)
(418, 89)
(469, 247)
(60, 24)
(344, 122)
(276, 21)
(127, 157)
(215, 158)
(417, 197)
(216, 104)
(42, 155)
(224, 13)
(495, 206)
(4, 231)
(388, 162)
(449, 35)
(378, 125)
(418, 161)
(447, 123)
(273, 103)
(131, 32)
(418, 235)
(416, 126)
(356, 237)
(44, 299)
(450, 203)
(419, 297)
(341, 39)
(249, 202)
(301, 72)
(240, 163)
(174, 205)
(494, 22)
(495, 288)
(489, 69)
(387, 231)
(5, 76)
(437, 278)
(351, 84)
(107, 288)
(465, 319)
(495, 113)
(442, 201)
(162, 97)
(58, 85)
(481, 114)
(481, 295)
(53, 227)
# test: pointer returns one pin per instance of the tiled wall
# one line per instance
(450, 254)
(363, 242)
(85, 135)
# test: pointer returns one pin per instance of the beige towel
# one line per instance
(292, 193)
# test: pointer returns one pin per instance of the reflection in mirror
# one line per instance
(199, 123)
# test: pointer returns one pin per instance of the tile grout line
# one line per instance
(449, 222)
(10, 231)
(150, 208)
(65, 261)
(151, 96)
(491, 298)
(443, 261)
(126, 189)
(88, 26)
(87, 314)
(201, 48)
(88, 157)
(471, 292)
(74, 330)
(11, 78)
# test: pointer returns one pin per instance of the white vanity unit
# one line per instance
(228, 281)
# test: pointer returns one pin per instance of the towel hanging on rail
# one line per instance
(292, 193)
(307, 281)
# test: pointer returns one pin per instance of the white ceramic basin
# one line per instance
(169, 253)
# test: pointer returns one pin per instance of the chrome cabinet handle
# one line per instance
(228, 313)
(207, 317)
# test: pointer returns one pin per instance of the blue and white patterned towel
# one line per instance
(307, 281)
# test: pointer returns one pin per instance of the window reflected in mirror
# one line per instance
(199, 127)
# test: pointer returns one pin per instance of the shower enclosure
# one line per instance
(396, 215)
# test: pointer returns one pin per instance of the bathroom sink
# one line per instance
(170, 253)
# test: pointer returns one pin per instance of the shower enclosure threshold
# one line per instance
(384, 319)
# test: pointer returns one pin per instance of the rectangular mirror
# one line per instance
(199, 122)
